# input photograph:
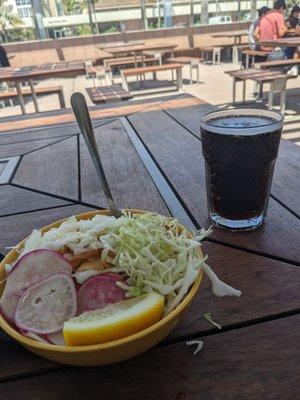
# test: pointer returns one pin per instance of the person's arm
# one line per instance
(251, 35)
(257, 34)
(281, 28)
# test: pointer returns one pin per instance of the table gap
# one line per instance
(181, 124)
(255, 252)
(47, 145)
(59, 367)
(76, 202)
(37, 209)
(37, 139)
(229, 328)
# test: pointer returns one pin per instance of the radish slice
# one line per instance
(56, 338)
(44, 307)
(99, 291)
(34, 336)
(30, 269)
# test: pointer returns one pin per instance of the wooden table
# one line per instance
(107, 94)
(236, 35)
(193, 62)
(276, 78)
(37, 72)
(283, 42)
(277, 63)
(123, 44)
(153, 161)
(141, 49)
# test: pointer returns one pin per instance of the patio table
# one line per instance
(236, 35)
(153, 161)
(123, 44)
(141, 49)
(283, 42)
(38, 72)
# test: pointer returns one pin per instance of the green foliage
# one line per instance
(112, 29)
(292, 3)
(8, 20)
(156, 25)
(83, 30)
(19, 35)
(72, 6)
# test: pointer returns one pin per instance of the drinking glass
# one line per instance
(240, 147)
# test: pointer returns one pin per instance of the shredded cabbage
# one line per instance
(198, 343)
(82, 276)
(153, 251)
(209, 319)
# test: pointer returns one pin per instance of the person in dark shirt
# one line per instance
(293, 20)
(4, 61)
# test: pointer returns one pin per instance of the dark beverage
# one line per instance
(240, 149)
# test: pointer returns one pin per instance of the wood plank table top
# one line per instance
(120, 44)
(106, 94)
(140, 48)
(242, 32)
(42, 71)
(283, 42)
(256, 353)
(277, 63)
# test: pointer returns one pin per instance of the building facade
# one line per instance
(59, 18)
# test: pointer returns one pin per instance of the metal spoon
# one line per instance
(82, 115)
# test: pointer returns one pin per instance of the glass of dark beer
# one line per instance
(240, 147)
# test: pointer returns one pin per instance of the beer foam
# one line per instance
(242, 122)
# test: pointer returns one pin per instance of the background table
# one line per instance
(135, 50)
(236, 35)
(283, 42)
(61, 69)
(153, 161)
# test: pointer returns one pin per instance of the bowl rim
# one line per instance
(26, 341)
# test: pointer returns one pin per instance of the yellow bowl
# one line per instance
(107, 353)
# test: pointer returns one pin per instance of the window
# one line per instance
(25, 12)
(23, 2)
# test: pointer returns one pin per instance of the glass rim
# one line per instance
(274, 125)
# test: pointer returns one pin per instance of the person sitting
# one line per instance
(272, 27)
(293, 20)
(292, 24)
(252, 42)
(4, 61)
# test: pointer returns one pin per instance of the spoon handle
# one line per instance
(82, 115)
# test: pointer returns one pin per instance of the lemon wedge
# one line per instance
(115, 321)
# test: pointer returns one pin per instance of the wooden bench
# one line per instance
(215, 52)
(252, 54)
(276, 79)
(237, 50)
(193, 62)
(141, 71)
(121, 61)
(26, 92)
(108, 94)
(277, 64)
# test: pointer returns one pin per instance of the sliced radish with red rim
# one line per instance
(34, 336)
(44, 307)
(56, 338)
(30, 269)
(99, 291)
